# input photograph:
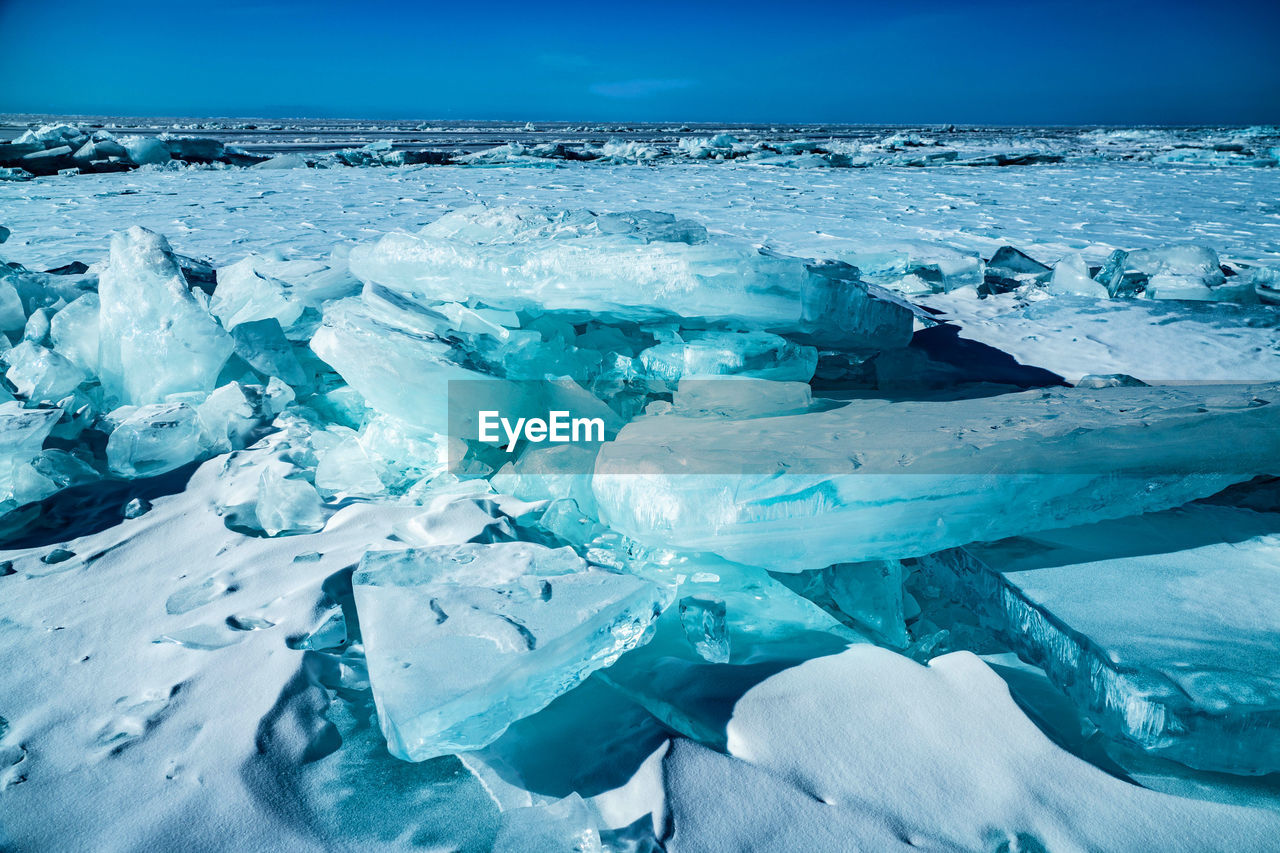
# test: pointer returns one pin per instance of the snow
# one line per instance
(1048, 212)
(797, 774)
(143, 728)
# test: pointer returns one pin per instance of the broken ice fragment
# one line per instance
(1177, 272)
(871, 595)
(245, 295)
(287, 505)
(195, 149)
(63, 469)
(345, 470)
(154, 439)
(1111, 380)
(949, 273)
(565, 826)
(248, 622)
(41, 375)
(263, 345)
(463, 640)
(755, 354)
(548, 260)
(282, 161)
(400, 452)
(398, 370)
(1012, 263)
(551, 472)
(144, 150)
(37, 328)
(736, 623)
(566, 520)
(329, 634)
(1071, 278)
(704, 626)
(13, 317)
(198, 594)
(136, 508)
(57, 555)
(74, 331)
(228, 418)
(23, 431)
(205, 638)
(155, 337)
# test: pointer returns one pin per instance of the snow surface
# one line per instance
(866, 750)
(1156, 342)
(137, 702)
(1048, 211)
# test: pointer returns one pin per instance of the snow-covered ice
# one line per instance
(1162, 627)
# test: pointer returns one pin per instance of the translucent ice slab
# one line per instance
(400, 370)
(636, 267)
(22, 434)
(879, 480)
(463, 640)
(153, 439)
(39, 374)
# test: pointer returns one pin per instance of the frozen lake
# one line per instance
(239, 580)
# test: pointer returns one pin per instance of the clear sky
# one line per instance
(990, 61)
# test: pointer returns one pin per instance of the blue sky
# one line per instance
(991, 61)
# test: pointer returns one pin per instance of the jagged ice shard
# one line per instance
(154, 337)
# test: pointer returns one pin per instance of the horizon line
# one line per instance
(646, 123)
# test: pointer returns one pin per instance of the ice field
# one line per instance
(937, 508)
